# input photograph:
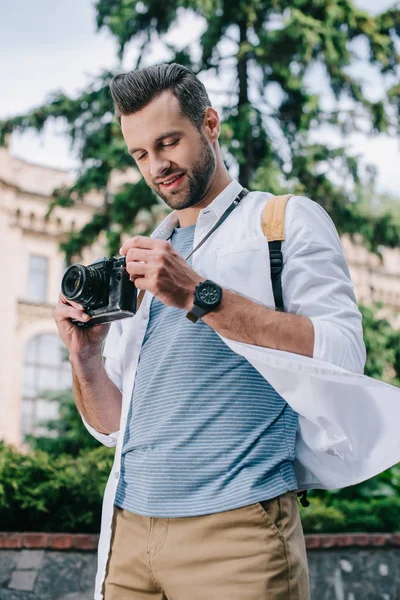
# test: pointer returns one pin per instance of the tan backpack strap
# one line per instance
(139, 299)
(273, 218)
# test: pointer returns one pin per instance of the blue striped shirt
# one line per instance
(206, 432)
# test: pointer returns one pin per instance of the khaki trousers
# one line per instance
(256, 552)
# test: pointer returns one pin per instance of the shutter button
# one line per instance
(116, 474)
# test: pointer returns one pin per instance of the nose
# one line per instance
(158, 166)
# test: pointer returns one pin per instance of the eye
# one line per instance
(171, 144)
(141, 157)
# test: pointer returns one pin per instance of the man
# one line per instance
(201, 503)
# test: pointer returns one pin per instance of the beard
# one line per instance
(202, 172)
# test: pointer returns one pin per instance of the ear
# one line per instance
(212, 124)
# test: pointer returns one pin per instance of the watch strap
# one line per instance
(196, 312)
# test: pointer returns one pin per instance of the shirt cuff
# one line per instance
(334, 345)
(107, 439)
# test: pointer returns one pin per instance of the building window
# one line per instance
(45, 369)
(37, 278)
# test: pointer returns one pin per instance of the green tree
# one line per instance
(267, 136)
(275, 44)
(383, 346)
(67, 434)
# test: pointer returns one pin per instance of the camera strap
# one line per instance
(222, 218)
(226, 214)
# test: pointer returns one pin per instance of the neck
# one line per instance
(188, 216)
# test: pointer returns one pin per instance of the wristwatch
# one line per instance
(207, 296)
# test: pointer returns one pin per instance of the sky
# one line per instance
(48, 46)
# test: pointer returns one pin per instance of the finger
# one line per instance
(65, 300)
(140, 241)
(135, 268)
(141, 283)
(65, 311)
(134, 242)
(139, 254)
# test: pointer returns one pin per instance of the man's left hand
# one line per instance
(154, 265)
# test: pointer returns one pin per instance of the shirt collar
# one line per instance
(218, 206)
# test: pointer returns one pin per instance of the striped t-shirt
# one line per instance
(206, 432)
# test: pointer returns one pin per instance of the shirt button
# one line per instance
(116, 474)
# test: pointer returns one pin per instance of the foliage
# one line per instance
(383, 346)
(67, 434)
(59, 484)
(275, 47)
(374, 203)
(372, 506)
(368, 515)
(64, 494)
(41, 493)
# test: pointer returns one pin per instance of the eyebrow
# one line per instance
(159, 139)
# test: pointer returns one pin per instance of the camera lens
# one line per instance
(83, 284)
(72, 281)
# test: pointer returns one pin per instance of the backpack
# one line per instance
(273, 226)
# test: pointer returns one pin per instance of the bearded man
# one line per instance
(201, 503)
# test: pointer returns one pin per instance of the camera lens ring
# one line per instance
(86, 285)
(74, 281)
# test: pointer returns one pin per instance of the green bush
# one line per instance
(59, 486)
(373, 515)
(67, 434)
(319, 518)
(42, 493)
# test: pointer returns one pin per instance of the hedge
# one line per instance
(373, 515)
(40, 492)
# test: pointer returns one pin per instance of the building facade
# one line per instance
(32, 358)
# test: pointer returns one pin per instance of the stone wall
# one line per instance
(39, 566)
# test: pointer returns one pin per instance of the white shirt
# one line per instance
(347, 429)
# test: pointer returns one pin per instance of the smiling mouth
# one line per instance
(174, 183)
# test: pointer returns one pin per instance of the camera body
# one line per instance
(103, 288)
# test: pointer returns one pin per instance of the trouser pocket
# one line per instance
(270, 511)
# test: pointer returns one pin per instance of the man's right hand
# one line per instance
(82, 342)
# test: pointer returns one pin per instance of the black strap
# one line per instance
(276, 262)
(226, 214)
(275, 253)
(303, 498)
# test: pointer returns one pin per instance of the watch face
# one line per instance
(209, 294)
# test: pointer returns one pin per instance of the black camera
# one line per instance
(102, 288)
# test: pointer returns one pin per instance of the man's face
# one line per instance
(166, 145)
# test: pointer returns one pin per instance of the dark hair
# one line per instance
(134, 90)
